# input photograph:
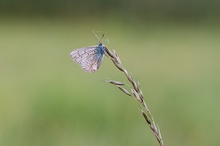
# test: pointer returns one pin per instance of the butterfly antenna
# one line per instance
(95, 34)
(108, 41)
(100, 39)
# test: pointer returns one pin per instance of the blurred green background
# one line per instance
(171, 47)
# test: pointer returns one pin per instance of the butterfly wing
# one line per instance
(89, 58)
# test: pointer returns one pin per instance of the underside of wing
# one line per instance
(87, 58)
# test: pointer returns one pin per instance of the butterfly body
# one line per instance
(89, 58)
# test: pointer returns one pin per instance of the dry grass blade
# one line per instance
(109, 53)
(146, 117)
(115, 82)
(138, 94)
(123, 90)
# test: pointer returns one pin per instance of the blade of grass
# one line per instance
(137, 93)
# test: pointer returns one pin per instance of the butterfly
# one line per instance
(89, 58)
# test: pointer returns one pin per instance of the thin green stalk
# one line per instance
(137, 93)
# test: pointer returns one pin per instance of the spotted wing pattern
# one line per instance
(89, 58)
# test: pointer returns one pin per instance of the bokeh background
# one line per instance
(171, 47)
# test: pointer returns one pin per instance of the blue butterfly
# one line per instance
(90, 58)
